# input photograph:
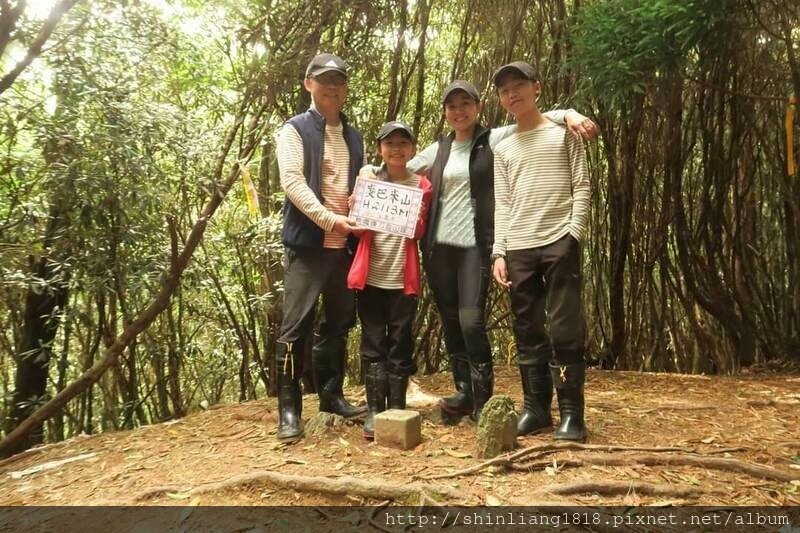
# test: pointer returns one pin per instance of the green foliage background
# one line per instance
(693, 256)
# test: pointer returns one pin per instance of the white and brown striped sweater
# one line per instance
(541, 190)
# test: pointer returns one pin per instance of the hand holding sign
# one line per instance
(344, 226)
(386, 207)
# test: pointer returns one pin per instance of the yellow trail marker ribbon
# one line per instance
(250, 191)
(790, 109)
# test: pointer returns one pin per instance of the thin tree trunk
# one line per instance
(392, 106)
(425, 11)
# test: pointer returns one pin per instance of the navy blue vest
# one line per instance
(299, 231)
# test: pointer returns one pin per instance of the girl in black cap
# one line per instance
(385, 271)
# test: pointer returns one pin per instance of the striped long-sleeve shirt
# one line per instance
(541, 190)
(335, 167)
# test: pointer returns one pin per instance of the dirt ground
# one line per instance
(698, 441)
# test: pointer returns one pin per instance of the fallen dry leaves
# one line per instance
(753, 419)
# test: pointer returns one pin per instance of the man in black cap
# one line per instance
(319, 156)
(542, 196)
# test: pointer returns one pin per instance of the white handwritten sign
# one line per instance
(386, 207)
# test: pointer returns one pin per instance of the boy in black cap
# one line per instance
(542, 197)
(385, 271)
(319, 155)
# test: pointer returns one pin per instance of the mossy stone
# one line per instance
(497, 427)
(323, 423)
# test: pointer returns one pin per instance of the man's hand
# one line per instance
(344, 226)
(500, 272)
(580, 126)
(351, 201)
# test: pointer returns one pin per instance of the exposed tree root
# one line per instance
(342, 485)
(713, 463)
(511, 461)
(666, 408)
(616, 488)
(770, 403)
(658, 408)
(506, 460)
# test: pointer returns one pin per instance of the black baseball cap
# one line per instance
(393, 126)
(517, 67)
(461, 85)
(323, 63)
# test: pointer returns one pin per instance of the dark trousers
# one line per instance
(387, 316)
(546, 302)
(307, 275)
(459, 280)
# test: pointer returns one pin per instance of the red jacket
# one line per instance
(357, 277)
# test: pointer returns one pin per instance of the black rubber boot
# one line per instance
(328, 369)
(482, 385)
(537, 389)
(460, 403)
(288, 369)
(376, 383)
(397, 391)
(569, 380)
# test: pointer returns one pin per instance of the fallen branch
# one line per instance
(50, 465)
(717, 451)
(4, 463)
(343, 485)
(507, 460)
(22, 455)
(616, 488)
(712, 463)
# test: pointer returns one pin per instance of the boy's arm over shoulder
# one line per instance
(293, 181)
(502, 144)
(498, 134)
(557, 116)
(581, 186)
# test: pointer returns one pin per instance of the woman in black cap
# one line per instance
(460, 234)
